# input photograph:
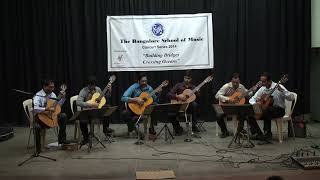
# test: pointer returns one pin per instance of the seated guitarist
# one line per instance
(84, 95)
(275, 110)
(129, 97)
(40, 102)
(175, 93)
(223, 95)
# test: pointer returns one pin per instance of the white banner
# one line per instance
(160, 42)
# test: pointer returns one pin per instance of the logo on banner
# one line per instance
(157, 29)
(120, 58)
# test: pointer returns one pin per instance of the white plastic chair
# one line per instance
(77, 133)
(287, 117)
(27, 107)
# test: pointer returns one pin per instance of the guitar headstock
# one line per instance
(164, 83)
(259, 84)
(284, 79)
(112, 78)
(63, 88)
(208, 79)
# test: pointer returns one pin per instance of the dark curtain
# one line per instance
(66, 41)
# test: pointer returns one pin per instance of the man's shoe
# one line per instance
(64, 142)
(178, 133)
(108, 131)
(131, 134)
(224, 134)
(257, 137)
(152, 131)
(268, 136)
(84, 142)
(195, 129)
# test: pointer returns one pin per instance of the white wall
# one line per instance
(315, 23)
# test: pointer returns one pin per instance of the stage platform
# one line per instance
(204, 158)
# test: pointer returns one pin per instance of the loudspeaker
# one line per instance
(299, 129)
(6, 133)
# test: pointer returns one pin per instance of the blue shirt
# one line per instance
(135, 91)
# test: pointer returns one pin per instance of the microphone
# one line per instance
(23, 92)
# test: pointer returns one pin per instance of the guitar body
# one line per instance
(136, 108)
(50, 118)
(186, 93)
(235, 96)
(94, 98)
(265, 102)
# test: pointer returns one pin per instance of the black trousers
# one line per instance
(270, 113)
(192, 109)
(84, 127)
(62, 122)
(222, 124)
(131, 119)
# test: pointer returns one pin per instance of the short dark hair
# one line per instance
(235, 75)
(188, 73)
(267, 75)
(275, 178)
(91, 80)
(46, 82)
(141, 75)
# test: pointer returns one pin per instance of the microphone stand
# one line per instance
(35, 152)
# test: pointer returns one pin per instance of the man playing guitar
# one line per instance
(40, 107)
(86, 94)
(176, 94)
(130, 96)
(223, 95)
(273, 110)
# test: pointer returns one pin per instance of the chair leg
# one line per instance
(31, 130)
(235, 124)
(278, 129)
(281, 130)
(75, 130)
(77, 134)
(42, 138)
(292, 129)
(217, 129)
(99, 127)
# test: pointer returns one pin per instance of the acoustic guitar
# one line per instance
(50, 118)
(239, 98)
(147, 98)
(99, 98)
(190, 94)
(266, 99)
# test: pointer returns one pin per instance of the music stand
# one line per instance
(164, 109)
(89, 115)
(232, 109)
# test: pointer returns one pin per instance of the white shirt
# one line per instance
(40, 101)
(227, 90)
(278, 96)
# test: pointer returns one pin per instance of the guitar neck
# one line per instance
(155, 91)
(247, 92)
(57, 101)
(197, 88)
(104, 90)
